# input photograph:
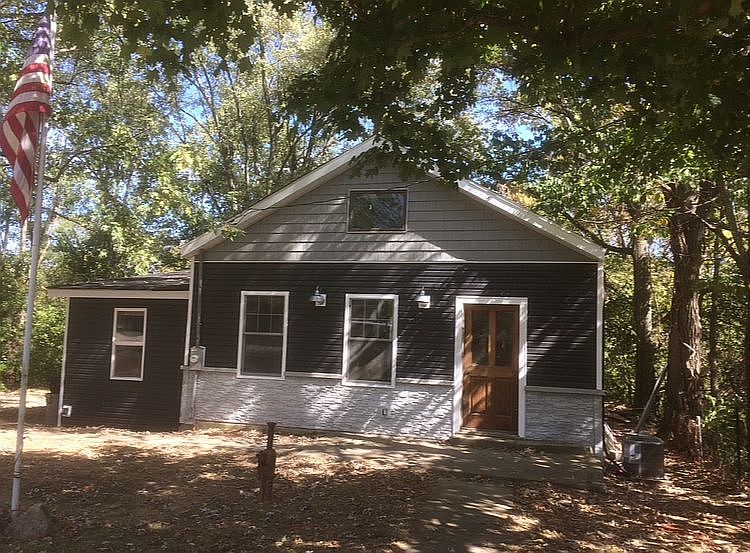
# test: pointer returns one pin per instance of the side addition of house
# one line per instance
(374, 304)
(124, 343)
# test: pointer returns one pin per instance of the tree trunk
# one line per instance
(6, 233)
(747, 372)
(645, 350)
(683, 393)
(713, 323)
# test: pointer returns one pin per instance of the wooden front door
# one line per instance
(490, 367)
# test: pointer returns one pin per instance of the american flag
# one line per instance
(29, 107)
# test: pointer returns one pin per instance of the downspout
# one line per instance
(198, 298)
(61, 393)
(198, 321)
(600, 299)
(192, 339)
(189, 314)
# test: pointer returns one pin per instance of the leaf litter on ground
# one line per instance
(117, 490)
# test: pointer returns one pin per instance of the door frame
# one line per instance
(458, 361)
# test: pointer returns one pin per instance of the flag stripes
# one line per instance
(29, 107)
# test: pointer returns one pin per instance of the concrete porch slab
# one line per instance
(566, 466)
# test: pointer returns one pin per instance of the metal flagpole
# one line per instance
(26, 359)
(35, 248)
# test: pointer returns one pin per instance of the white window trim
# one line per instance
(458, 363)
(115, 342)
(241, 336)
(347, 331)
(377, 231)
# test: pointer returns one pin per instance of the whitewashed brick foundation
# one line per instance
(319, 403)
(416, 410)
(573, 417)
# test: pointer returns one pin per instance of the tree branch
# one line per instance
(596, 238)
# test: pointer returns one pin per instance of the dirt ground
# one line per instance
(115, 490)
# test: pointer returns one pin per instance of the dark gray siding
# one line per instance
(152, 404)
(561, 309)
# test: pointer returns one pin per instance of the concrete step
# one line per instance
(469, 437)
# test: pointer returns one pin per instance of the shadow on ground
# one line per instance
(470, 516)
(128, 500)
(198, 492)
(9, 416)
(574, 467)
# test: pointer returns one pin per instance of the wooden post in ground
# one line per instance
(267, 466)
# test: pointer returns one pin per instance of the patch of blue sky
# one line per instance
(493, 110)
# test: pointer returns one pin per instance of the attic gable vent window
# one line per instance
(377, 210)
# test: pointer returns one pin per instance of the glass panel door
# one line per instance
(490, 372)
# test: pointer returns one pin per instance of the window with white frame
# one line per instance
(128, 344)
(370, 339)
(263, 326)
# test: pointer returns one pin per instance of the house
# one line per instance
(124, 344)
(375, 304)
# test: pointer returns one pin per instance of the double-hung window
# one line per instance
(263, 330)
(128, 344)
(370, 339)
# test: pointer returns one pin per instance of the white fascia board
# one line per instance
(524, 216)
(117, 294)
(280, 198)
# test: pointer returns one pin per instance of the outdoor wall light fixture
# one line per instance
(423, 300)
(318, 299)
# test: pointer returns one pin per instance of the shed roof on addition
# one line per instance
(337, 166)
(174, 285)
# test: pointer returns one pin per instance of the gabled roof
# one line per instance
(280, 198)
(340, 164)
(518, 213)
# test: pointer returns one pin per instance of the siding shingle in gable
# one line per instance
(443, 225)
